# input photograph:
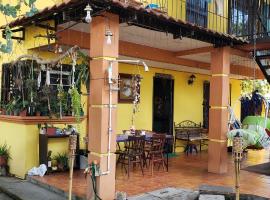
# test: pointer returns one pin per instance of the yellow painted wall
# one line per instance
(188, 99)
(177, 9)
(23, 141)
(218, 22)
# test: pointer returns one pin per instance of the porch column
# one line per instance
(101, 53)
(218, 115)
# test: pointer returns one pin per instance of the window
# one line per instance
(23, 87)
(197, 11)
(240, 24)
(219, 7)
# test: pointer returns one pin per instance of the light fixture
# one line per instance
(146, 68)
(191, 79)
(109, 35)
(60, 50)
(88, 17)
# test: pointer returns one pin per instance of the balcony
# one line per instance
(212, 14)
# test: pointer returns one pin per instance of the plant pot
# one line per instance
(3, 161)
(51, 130)
(37, 113)
(60, 167)
(23, 113)
(3, 112)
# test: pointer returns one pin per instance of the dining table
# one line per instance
(121, 138)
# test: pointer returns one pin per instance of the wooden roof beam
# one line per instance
(209, 49)
(194, 51)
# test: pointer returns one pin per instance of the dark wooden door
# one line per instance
(163, 105)
(206, 98)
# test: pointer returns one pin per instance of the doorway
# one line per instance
(206, 99)
(163, 93)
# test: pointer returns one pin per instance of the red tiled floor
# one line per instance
(185, 172)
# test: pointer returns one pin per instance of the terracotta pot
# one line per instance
(3, 161)
(51, 131)
(60, 166)
(23, 113)
(3, 112)
(37, 113)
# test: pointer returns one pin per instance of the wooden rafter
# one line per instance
(209, 49)
(194, 51)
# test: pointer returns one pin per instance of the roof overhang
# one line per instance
(131, 14)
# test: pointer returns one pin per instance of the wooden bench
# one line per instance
(190, 132)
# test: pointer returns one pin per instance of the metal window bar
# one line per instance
(199, 12)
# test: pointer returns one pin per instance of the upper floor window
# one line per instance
(197, 12)
(240, 15)
(219, 7)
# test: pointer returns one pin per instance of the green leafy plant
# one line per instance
(83, 71)
(5, 151)
(62, 97)
(10, 106)
(12, 11)
(248, 86)
(75, 103)
(62, 161)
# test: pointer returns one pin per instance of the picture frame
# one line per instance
(126, 89)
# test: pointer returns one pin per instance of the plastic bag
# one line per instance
(38, 171)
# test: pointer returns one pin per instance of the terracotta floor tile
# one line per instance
(185, 172)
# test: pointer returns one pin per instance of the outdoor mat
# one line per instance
(260, 169)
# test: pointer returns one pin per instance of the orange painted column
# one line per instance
(101, 53)
(218, 115)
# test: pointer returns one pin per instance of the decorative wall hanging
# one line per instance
(126, 91)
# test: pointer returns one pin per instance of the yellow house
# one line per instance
(186, 46)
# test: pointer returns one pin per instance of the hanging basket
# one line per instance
(72, 142)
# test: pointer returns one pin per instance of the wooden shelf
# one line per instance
(30, 120)
(56, 136)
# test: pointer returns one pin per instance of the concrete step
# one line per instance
(51, 188)
(3, 196)
(24, 190)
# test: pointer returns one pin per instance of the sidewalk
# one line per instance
(23, 190)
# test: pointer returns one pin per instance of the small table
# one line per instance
(148, 136)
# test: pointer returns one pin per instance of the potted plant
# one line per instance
(3, 109)
(4, 154)
(10, 107)
(62, 161)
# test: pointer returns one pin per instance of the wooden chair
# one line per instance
(156, 152)
(133, 153)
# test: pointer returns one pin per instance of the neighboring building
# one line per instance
(211, 39)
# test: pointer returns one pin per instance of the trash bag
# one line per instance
(38, 171)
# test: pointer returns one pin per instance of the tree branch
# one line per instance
(52, 62)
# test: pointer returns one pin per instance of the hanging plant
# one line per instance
(75, 103)
(62, 97)
(136, 85)
(83, 71)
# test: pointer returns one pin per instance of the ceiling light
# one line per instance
(88, 17)
(109, 35)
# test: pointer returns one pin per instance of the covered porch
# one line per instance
(184, 172)
(211, 56)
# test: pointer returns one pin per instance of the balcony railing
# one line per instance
(212, 14)
(249, 18)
